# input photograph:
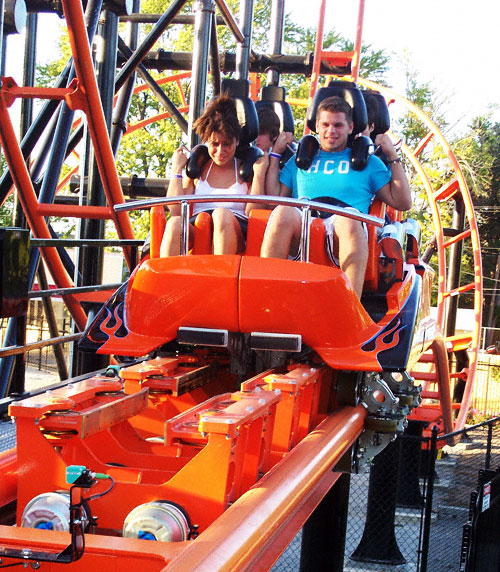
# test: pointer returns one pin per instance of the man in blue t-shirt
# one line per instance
(331, 175)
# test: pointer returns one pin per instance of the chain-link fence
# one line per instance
(37, 329)
(418, 526)
(478, 449)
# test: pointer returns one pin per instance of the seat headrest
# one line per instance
(272, 93)
(378, 111)
(282, 110)
(348, 91)
(273, 96)
(238, 89)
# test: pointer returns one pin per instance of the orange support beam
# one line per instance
(90, 102)
(29, 201)
(77, 211)
(240, 537)
(357, 45)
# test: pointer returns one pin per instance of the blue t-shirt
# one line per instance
(331, 175)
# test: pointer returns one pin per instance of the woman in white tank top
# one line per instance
(220, 130)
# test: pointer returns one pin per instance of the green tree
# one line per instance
(6, 210)
(479, 153)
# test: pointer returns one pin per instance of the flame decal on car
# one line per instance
(387, 339)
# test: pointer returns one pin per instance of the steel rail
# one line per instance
(238, 539)
(91, 242)
(75, 290)
(299, 203)
(16, 350)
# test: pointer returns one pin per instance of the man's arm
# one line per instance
(397, 192)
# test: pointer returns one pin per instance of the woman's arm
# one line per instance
(179, 184)
(258, 182)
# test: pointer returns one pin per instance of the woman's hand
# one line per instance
(260, 167)
(179, 161)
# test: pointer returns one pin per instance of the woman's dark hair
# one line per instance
(219, 116)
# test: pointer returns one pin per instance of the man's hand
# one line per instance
(260, 166)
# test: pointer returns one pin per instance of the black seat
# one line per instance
(350, 92)
(238, 90)
(273, 96)
(380, 110)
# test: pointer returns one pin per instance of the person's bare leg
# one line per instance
(227, 234)
(352, 250)
(171, 241)
(282, 232)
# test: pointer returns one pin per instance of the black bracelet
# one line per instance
(398, 160)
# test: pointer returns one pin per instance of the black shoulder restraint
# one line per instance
(328, 201)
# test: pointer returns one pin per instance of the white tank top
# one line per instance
(204, 188)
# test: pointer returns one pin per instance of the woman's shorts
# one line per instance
(242, 221)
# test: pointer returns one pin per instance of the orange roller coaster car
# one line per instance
(172, 433)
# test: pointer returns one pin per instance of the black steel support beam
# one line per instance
(260, 63)
(199, 64)
(161, 96)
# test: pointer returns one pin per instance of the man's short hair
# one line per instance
(335, 104)
(269, 122)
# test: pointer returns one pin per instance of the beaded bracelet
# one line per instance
(398, 160)
(275, 155)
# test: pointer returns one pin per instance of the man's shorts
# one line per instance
(329, 223)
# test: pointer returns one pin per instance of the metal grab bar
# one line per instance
(304, 205)
(73, 290)
(299, 203)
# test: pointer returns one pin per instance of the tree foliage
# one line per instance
(479, 154)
